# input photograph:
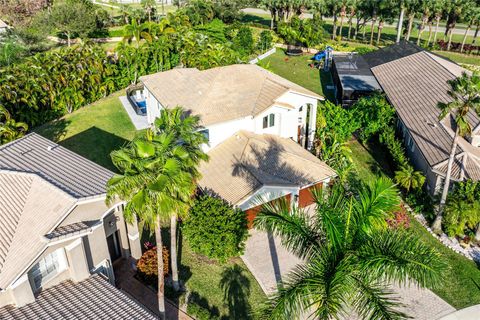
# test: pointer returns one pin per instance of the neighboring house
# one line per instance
(258, 125)
(415, 81)
(55, 226)
(93, 298)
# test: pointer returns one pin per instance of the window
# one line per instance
(47, 268)
(272, 120)
(269, 121)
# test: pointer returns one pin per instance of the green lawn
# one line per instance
(297, 69)
(460, 58)
(93, 131)
(208, 281)
(461, 287)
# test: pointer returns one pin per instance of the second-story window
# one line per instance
(269, 121)
(47, 268)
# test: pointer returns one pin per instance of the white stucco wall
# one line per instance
(286, 125)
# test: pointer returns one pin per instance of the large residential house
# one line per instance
(414, 81)
(258, 124)
(56, 231)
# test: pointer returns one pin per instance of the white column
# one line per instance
(312, 126)
(77, 261)
(21, 291)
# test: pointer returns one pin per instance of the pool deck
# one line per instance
(140, 122)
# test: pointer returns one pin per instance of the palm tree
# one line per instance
(154, 186)
(149, 7)
(137, 32)
(10, 129)
(408, 178)
(184, 131)
(465, 94)
(350, 255)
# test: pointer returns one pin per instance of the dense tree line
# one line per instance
(356, 15)
(53, 83)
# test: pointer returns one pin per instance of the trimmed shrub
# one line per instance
(147, 266)
(243, 42)
(265, 41)
(215, 229)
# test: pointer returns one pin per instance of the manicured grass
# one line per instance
(461, 287)
(93, 131)
(297, 69)
(460, 58)
(204, 279)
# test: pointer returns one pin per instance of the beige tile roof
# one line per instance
(223, 93)
(29, 208)
(246, 161)
(415, 84)
(465, 166)
(93, 298)
(3, 24)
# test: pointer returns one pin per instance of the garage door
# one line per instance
(252, 212)
(306, 197)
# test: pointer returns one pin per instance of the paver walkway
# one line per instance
(125, 280)
(270, 262)
(140, 122)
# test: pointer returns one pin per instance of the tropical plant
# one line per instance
(409, 179)
(154, 186)
(243, 42)
(465, 97)
(71, 18)
(265, 41)
(459, 215)
(10, 129)
(374, 114)
(215, 229)
(350, 255)
(147, 268)
(184, 131)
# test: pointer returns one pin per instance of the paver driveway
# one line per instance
(269, 262)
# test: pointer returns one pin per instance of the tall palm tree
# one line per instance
(154, 186)
(350, 255)
(184, 131)
(465, 94)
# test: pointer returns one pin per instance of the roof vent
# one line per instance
(431, 124)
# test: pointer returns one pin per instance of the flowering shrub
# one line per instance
(400, 219)
(147, 265)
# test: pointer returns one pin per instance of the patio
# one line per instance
(139, 121)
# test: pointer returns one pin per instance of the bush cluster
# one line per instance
(215, 229)
(147, 266)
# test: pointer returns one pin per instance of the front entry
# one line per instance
(113, 244)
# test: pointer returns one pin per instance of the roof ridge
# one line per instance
(428, 54)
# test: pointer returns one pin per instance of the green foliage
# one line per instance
(460, 215)
(243, 41)
(364, 50)
(215, 229)
(71, 18)
(350, 254)
(199, 308)
(395, 147)
(51, 84)
(9, 128)
(265, 41)
(462, 211)
(147, 266)
(10, 51)
(338, 121)
(215, 29)
(308, 32)
(409, 179)
(374, 114)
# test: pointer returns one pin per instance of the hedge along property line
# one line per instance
(263, 56)
(451, 243)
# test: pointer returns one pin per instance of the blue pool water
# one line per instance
(142, 105)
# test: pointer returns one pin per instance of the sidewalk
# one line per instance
(125, 280)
